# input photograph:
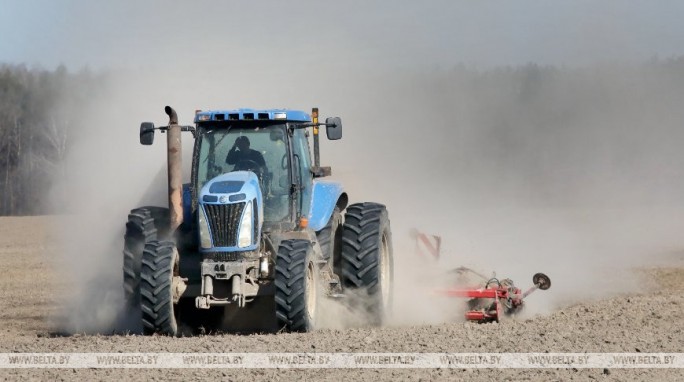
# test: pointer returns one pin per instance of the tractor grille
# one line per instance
(224, 221)
(222, 256)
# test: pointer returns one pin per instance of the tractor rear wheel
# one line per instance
(296, 283)
(144, 225)
(159, 267)
(367, 263)
(330, 237)
(139, 230)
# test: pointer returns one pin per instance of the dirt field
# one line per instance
(30, 312)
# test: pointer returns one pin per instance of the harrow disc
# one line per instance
(541, 280)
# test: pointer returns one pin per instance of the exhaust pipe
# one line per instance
(316, 142)
(174, 147)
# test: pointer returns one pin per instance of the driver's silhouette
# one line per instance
(240, 152)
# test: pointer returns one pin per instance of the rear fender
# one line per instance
(325, 197)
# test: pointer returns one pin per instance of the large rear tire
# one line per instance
(144, 225)
(330, 237)
(159, 267)
(367, 264)
(296, 282)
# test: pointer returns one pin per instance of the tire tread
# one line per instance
(156, 301)
(290, 283)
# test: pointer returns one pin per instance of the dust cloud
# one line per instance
(571, 171)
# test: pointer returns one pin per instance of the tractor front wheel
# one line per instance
(296, 282)
(159, 268)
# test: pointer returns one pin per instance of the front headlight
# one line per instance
(205, 239)
(245, 237)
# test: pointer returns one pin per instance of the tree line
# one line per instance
(38, 112)
(545, 126)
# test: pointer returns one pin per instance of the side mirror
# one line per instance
(146, 133)
(333, 128)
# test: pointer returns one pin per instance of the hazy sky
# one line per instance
(400, 33)
(341, 56)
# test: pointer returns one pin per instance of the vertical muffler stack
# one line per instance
(174, 147)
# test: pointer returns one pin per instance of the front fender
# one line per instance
(324, 198)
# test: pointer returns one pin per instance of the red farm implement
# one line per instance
(496, 299)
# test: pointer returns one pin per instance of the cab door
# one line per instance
(302, 166)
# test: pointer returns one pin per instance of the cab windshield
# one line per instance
(260, 149)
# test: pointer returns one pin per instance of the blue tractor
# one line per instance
(257, 225)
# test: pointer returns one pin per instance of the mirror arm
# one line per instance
(309, 124)
(321, 171)
(191, 129)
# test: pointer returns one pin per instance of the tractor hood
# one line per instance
(231, 213)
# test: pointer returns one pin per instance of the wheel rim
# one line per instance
(174, 274)
(385, 277)
(310, 292)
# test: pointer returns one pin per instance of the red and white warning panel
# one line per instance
(428, 245)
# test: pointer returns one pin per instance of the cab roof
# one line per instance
(284, 115)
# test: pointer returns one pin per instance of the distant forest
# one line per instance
(39, 111)
(543, 126)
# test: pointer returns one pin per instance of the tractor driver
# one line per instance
(243, 157)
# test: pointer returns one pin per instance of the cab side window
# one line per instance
(301, 150)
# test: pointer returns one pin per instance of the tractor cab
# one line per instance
(267, 143)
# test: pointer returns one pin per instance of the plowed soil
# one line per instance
(32, 315)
